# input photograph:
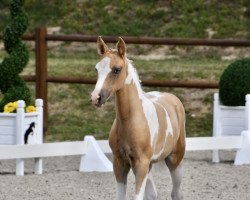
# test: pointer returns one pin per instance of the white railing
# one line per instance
(82, 148)
(93, 152)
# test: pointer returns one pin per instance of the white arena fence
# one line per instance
(230, 131)
(93, 151)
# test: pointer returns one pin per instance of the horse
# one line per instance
(148, 127)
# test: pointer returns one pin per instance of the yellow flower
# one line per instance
(30, 109)
(15, 104)
(10, 107)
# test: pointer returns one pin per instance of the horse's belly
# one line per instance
(163, 149)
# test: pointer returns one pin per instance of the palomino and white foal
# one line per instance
(149, 127)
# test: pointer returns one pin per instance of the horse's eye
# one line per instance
(116, 70)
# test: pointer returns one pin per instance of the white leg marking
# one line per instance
(121, 191)
(176, 176)
(140, 195)
(150, 190)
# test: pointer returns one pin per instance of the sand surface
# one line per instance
(61, 180)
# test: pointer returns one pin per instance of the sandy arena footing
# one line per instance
(61, 180)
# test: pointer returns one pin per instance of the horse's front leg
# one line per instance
(121, 170)
(150, 190)
(141, 169)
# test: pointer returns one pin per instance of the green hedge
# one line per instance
(11, 85)
(235, 83)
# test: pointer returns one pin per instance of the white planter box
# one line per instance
(229, 121)
(13, 127)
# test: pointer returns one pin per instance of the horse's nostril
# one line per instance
(99, 99)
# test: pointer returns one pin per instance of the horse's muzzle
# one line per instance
(99, 99)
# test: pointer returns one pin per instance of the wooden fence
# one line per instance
(41, 78)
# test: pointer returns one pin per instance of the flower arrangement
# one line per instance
(12, 106)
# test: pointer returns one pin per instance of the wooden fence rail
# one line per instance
(143, 40)
(42, 78)
(149, 83)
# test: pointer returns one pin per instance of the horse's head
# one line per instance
(111, 69)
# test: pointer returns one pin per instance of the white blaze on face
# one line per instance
(103, 69)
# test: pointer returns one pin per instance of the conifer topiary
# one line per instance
(235, 83)
(12, 86)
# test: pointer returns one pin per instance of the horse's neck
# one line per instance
(127, 101)
(128, 98)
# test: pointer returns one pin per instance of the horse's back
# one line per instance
(168, 101)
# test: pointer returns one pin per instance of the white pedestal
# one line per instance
(94, 159)
(229, 120)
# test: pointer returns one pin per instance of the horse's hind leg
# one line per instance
(174, 163)
(176, 175)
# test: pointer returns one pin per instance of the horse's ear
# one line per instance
(102, 48)
(121, 47)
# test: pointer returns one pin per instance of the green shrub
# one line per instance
(11, 85)
(235, 83)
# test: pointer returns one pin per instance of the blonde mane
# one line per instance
(133, 76)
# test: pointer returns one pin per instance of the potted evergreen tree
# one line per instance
(232, 104)
(19, 122)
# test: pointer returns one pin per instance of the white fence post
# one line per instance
(248, 112)
(19, 135)
(216, 126)
(39, 110)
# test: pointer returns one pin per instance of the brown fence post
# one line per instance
(41, 71)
